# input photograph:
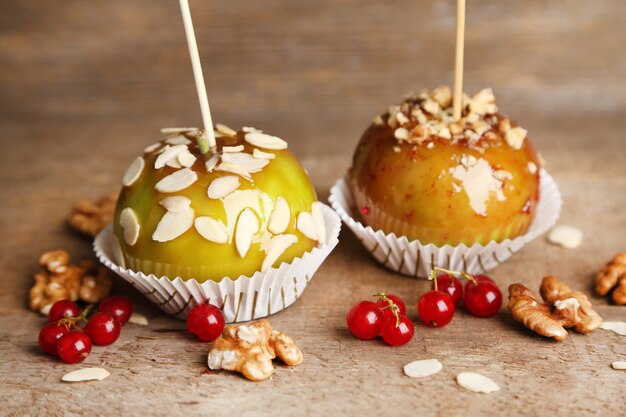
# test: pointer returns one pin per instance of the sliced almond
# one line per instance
(502, 175)
(176, 181)
(618, 327)
(223, 186)
(476, 382)
(174, 163)
(130, 226)
(247, 226)
(139, 319)
(275, 247)
(234, 169)
(172, 130)
(249, 129)
(422, 368)
(177, 140)
(86, 374)
(318, 219)
(152, 148)
(169, 154)
(133, 172)
(566, 236)
(225, 130)
(619, 365)
(265, 141)
(280, 217)
(212, 162)
(306, 225)
(176, 204)
(211, 229)
(231, 149)
(246, 161)
(186, 158)
(257, 153)
(515, 137)
(173, 224)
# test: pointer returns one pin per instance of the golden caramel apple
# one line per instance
(246, 208)
(418, 173)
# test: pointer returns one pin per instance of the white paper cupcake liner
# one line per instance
(416, 259)
(242, 299)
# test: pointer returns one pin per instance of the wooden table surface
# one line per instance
(84, 86)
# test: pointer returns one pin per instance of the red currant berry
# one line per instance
(478, 278)
(450, 285)
(50, 335)
(206, 322)
(383, 304)
(63, 309)
(435, 308)
(397, 332)
(103, 329)
(118, 307)
(483, 299)
(365, 320)
(74, 347)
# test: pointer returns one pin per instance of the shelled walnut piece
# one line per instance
(90, 217)
(563, 309)
(60, 280)
(249, 350)
(613, 277)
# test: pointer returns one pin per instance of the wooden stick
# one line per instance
(197, 73)
(458, 63)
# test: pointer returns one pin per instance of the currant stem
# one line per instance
(433, 275)
(391, 305)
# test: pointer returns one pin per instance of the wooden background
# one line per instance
(85, 85)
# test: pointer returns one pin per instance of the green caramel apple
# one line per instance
(418, 173)
(245, 208)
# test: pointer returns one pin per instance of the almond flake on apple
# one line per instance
(176, 204)
(130, 226)
(176, 181)
(173, 224)
(232, 149)
(186, 158)
(177, 140)
(169, 154)
(234, 169)
(247, 226)
(265, 141)
(172, 130)
(280, 217)
(246, 161)
(275, 247)
(257, 153)
(133, 172)
(306, 225)
(152, 148)
(211, 229)
(212, 162)
(225, 130)
(223, 186)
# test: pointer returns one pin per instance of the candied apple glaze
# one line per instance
(419, 173)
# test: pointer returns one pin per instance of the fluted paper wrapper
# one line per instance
(242, 299)
(417, 259)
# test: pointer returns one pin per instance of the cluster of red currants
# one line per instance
(481, 297)
(62, 337)
(386, 317)
(206, 322)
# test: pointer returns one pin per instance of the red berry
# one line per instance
(482, 299)
(206, 321)
(435, 308)
(103, 329)
(384, 305)
(118, 307)
(450, 285)
(62, 309)
(74, 347)
(397, 335)
(365, 320)
(50, 335)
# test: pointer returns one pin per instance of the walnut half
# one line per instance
(613, 277)
(90, 217)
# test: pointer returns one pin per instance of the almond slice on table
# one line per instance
(177, 140)
(225, 130)
(212, 162)
(476, 382)
(257, 153)
(176, 181)
(265, 141)
(306, 225)
(223, 186)
(173, 224)
(211, 229)
(318, 219)
(169, 154)
(246, 161)
(176, 203)
(422, 368)
(137, 318)
(133, 172)
(130, 226)
(280, 217)
(247, 226)
(618, 327)
(232, 149)
(275, 247)
(619, 365)
(172, 130)
(152, 148)
(186, 158)
(86, 374)
(234, 169)
(566, 236)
